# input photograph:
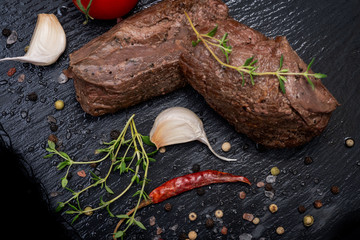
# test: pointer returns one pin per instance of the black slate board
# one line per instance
(326, 30)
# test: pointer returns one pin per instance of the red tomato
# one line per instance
(108, 9)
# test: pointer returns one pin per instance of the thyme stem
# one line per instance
(248, 67)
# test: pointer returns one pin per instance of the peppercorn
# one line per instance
(224, 230)
(200, 191)
(167, 207)
(242, 195)
(280, 230)
(209, 223)
(256, 220)
(192, 235)
(349, 142)
(334, 190)
(192, 216)
(226, 146)
(248, 216)
(308, 160)
(260, 184)
(273, 208)
(32, 97)
(11, 71)
(88, 211)
(59, 104)
(53, 127)
(308, 220)
(275, 171)
(318, 204)
(268, 187)
(195, 168)
(6, 32)
(301, 209)
(53, 138)
(219, 213)
(183, 236)
(114, 134)
(162, 150)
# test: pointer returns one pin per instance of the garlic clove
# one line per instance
(179, 125)
(48, 42)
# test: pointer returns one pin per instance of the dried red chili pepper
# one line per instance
(185, 183)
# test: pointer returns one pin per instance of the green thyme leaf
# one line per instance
(282, 79)
(147, 141)
(75, 218)
(119, 234)
(309, 66)
(51, 145)
(310, 82)
(248, 61)
(281, 61)
(320, 75)
(49, 155)
(64, 182)
(60, 206)
(139, 224)
(63, 164)
(108, 189)
(194, 43)
(213, 31)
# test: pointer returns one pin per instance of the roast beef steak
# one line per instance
(150, 54)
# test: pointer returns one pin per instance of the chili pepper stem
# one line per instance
(142, 204)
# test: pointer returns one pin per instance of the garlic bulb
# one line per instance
(47, 43)
(179, 125)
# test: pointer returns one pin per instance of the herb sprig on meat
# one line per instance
(249, 67)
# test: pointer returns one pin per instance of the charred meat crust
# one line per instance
(150, 54)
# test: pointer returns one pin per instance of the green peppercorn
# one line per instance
(275, 171)
(59, 104)
(308, 220)
(88, 211)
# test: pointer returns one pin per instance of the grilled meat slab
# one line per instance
(150, 54)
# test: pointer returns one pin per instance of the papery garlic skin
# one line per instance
(179, 125)
(48, 42)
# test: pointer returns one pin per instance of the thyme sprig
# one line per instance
(132, 160)
(249, 66)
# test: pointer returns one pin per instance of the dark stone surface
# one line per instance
(326, 30)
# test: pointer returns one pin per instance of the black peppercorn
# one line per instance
(183, 236)
(53, 127)
(114, 134)
(32, 97)
(200, 191)
(301, 209)
(308, 160)
(209, 223)
(268, 187)
(6, 32)
(334, 190)
(167, 207)
(195, 168)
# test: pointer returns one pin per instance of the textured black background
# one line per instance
(326, 30)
